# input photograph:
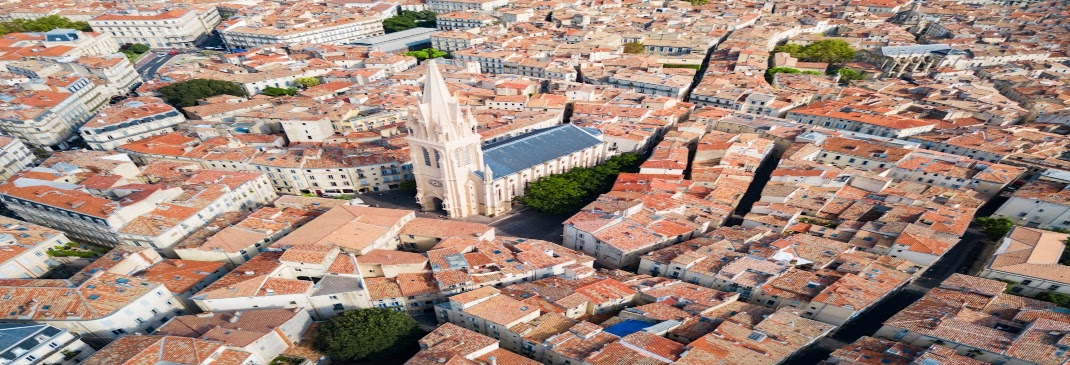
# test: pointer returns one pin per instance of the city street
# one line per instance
(521, 222)
(152, 62)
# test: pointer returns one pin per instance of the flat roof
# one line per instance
(398, 40)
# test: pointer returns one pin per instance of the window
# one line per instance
(1053, 287)
(427, 157)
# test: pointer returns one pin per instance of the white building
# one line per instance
(24, 247)
(1029, 258)
(179, 28)
(247, 33)
(1041, 204)
(45, 118)
(14, 156)
(129, 121)
(446, 6)
(100, 308)
(34, 344)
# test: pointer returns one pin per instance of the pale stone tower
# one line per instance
(445, 150)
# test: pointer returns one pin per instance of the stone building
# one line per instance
(454, 172)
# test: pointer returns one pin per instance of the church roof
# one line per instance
(509, 156)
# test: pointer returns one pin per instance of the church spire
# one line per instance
(437, 96)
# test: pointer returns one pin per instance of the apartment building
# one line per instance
(1029, 258)
(100, 308)
(249, 33)
(130, 120)
(25, 249)
(41, 344)
(154, 349)
(456, 40)
(970, 324)
(266, 332)
(176, 28)
(235, 237)
(1039, 204)
(290, 171)
(14, 156)
(943, 169)
(447, 6)
(355, 229)
(462, 20)
(204, 195)
(283, 280)
(837, 116)
(115, 69)
(49, 119)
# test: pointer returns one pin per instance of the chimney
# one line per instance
(235, 317)
(493, 360)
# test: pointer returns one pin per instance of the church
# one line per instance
(455, 173)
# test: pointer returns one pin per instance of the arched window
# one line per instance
(438, 159)
(427, 157)
(468, 155)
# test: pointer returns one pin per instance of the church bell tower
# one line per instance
(445, 150)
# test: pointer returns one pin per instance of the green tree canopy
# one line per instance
(634, 48)
(186, 93)
(567, 193)
(827, 50)
(409, 19)
(698, 2)
(427, 53)
(847, 75)
(366, 333)
(42, 24)
(279, 91)
(771, 73)
(791, 48)
(995, 227)
(307, 82)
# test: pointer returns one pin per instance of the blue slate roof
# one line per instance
(509, 156)
(913, 49)
(21, 336)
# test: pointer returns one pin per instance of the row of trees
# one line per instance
(409, 19)
(832, 51)
(567, 193)
(428, 53)
(42, 25)
(186, 93)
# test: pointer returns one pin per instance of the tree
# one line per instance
(812, 73)
(793, 49)
(698, 2)
(42, 24)
(138, 48)
(409, 19)
(829, 51)
(408, 186)
(770, 74)
(568, 192)
(186, 93)
(366, 333)
(427, 53)
(278, 91)
(555, 194)
(847, 75)
(307, 82)
(634, 48)
(995, 227)
(1058, 299)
